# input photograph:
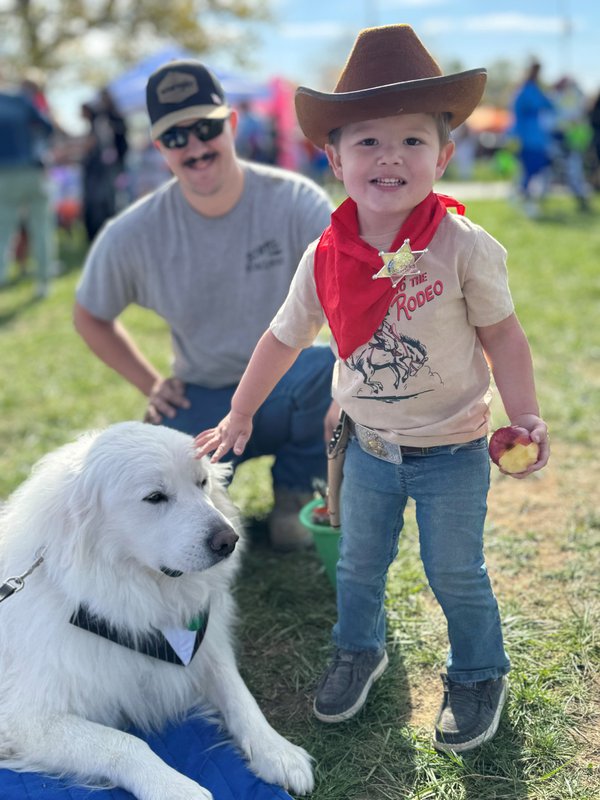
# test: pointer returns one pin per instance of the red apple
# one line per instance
(513, 449)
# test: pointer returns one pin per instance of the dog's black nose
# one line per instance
(222, 542)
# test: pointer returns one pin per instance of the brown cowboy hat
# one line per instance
(388, 72)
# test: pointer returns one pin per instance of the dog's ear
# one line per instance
(220, 475)
(50, 505)
(220, 472)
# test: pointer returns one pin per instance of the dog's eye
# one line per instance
(203, 483)
(156, 497)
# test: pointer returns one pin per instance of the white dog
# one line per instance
(137, 538)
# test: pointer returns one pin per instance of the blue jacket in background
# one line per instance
(22, 127)
(533, 112)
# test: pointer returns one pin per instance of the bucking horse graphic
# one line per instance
(390, 350)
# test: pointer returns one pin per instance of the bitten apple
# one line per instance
(513, 449)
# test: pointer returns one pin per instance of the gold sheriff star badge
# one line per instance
(402, 262)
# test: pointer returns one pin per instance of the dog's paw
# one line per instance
(278, 761)
(178, 787)
(194, 793)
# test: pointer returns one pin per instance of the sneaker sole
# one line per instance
(350, 712)
(488, 734)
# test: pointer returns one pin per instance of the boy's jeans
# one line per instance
(289, 424)
(449, 484)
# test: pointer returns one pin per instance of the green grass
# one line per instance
(543, 551)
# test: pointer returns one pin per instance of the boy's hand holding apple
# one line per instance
(520, 448)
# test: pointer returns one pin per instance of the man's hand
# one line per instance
(233, 431)
(166, 396)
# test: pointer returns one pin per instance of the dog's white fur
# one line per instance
(111, 509)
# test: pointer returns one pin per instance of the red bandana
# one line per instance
(355, 305)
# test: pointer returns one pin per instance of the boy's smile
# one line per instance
(388, 166)
(389, 181)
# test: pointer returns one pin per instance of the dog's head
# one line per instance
(132, 496)
(159, 505)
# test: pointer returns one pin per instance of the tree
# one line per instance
(52, 34)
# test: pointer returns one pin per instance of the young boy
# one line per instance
(418, 304)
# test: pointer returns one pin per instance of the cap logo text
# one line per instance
(176, 87)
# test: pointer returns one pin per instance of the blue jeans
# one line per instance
(289, 424)
(449, 485)
(534, 163)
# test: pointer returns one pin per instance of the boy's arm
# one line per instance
(507, 351)
(270, 361)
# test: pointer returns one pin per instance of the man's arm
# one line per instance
(113, 345)
(507, 350)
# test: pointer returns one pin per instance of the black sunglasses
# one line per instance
(204, 129)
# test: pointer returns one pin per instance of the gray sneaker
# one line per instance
(343, 689)
(469, 714)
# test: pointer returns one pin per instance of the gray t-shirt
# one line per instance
(216, 281)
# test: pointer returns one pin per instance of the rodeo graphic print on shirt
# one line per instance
(394, 365)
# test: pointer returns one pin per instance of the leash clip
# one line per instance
(15, 584)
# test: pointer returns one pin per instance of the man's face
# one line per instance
(203, 167)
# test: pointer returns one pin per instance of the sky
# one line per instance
(309, 40)
(312, 34)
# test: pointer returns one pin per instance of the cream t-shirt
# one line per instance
(422, 379)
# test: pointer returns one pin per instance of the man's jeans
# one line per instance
(449, 484)
(289, 424)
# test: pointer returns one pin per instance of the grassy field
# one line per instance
(542, 544)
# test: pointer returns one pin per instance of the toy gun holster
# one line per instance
(336, 451)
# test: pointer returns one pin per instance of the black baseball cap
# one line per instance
(183, 90)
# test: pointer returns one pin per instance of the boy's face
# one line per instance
(388, 166)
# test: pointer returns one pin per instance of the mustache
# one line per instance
(189, 162)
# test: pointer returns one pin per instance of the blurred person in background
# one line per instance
(103, 161)
(33, 86)
(572, 137)
(533, 118)
(108, 108)
(594, 119)
(465, 150)
(254, 136)
(25, 132)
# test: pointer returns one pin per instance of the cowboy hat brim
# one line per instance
(319, 113)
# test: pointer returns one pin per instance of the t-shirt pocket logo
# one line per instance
(266, 256)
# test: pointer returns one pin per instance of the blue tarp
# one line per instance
(195, 748)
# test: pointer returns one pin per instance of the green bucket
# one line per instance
(325, 538)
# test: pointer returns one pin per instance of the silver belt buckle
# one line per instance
(375, 445)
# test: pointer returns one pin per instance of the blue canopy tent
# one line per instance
(129, 89)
